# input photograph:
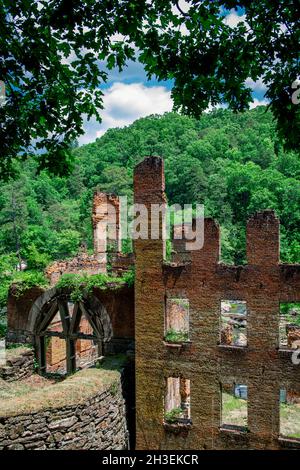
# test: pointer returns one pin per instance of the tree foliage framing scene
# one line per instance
(89, 88)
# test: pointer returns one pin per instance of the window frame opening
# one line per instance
(233, 331)
(289, 414)
(289, 326)
(234, 400)
(173, 334)
(177, 401)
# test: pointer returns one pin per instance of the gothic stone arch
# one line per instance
(57, 302)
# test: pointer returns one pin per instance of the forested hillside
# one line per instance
(232, 163)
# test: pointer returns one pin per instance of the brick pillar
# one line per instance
(263, 239)
(262, 298)
(204, 333)
(149, 188)
(106, 226)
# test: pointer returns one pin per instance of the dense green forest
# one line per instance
(232, 163)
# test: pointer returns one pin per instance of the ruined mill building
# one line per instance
(180, 379)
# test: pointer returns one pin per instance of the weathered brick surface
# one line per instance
(117, 300)
(105, 221)
(18, 308)
(263, 283)
(79, 265)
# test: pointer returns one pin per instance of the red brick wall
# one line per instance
(263, 283)
(56, 347)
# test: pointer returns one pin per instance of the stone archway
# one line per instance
(57, 303)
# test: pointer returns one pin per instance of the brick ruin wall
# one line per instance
(107, 243)
(201, 278)
(82, 263)
(118, 302)
(97, 424)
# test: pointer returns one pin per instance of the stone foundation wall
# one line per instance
(99, 423)
(18, 366)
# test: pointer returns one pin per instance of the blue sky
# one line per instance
(129, 95)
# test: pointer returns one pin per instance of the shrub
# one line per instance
(81, 285)
(25, 280)
(173, 415)
(174, 336)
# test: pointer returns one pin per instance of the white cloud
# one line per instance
(124, 103)
(257, 86)
(232, 19)
(183, 6)
(283, 28)
(257, 102)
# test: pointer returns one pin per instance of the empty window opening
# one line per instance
(289, 325)
(55, 346)
(56, 356)
(177, 320)
(234, 406)
(56, 324)
(87, 350)
(177, 400)
(233, 323)
(289, 414)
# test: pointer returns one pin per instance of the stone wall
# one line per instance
(19, 365)
(202, 279)
(98, 423)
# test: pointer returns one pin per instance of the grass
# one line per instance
(16, 351)
(25, 397)
(11, 390)
(290, 420)
(234, 410)
(83, 284)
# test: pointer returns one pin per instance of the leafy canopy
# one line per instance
(55, 55)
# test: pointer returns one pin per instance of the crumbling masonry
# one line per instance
(200, 277)
(107, 239)
(193, 372)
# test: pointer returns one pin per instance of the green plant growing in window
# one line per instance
(174, 336)
(173, 415)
